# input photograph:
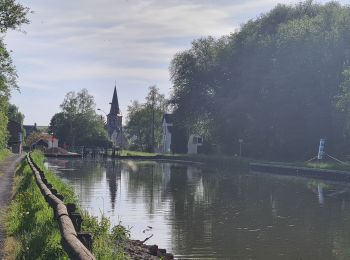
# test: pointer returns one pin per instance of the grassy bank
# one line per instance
(328, 165)
(322, 165)
(33, 232)
(227, 162)
(4, 153)
(219, 161)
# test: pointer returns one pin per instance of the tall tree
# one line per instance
(14, 114)
(144, 123)
(12, 16)
(78, 123)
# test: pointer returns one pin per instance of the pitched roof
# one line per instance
(114, 105)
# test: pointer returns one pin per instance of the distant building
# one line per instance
(41, 144)
(194, 141)
(15, 136)
(46, 141)
(114, 123)
(52, 141)
(30, 129)
(174, 139)
(167, 126)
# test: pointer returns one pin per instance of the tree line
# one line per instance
(280, 84)
(12, 16)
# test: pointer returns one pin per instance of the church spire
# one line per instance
(114, 105)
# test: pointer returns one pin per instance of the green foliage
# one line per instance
(14, 114)
(135, 153)
(12, 16)
(343, 100)
(144, 119)
(272, 83)
(30, 221)
(107, 241)
(64, 189)
(4, 153)
(33, 138)
(3, 121)
(78, 123)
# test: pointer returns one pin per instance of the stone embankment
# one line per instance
(136, 249)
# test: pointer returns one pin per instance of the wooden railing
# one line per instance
(74, 242)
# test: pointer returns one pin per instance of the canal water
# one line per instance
(200, 213)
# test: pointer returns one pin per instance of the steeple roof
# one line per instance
(114, 105)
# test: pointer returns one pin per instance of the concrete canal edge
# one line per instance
(279, 169)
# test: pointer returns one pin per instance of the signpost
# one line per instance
(321, 152)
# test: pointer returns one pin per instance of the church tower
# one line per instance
(114, 121)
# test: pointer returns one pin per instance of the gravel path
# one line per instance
(7, 169)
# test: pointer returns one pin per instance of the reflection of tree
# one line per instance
(234, 215)
(72, 170)
(254, 216)
(146, 182)
(191, 193)
(113, 172)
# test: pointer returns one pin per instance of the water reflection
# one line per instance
(113, 173)
(200, 213)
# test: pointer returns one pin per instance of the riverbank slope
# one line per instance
(34, 233)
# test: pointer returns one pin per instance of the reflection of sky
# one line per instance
(199, 213)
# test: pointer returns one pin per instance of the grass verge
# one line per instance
(228, 162)
(321, 165)
(4, 153)
(218, 161)
(34, 234)
(135, 153)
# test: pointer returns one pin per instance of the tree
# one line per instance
(78, 123)
(14, 114)
(272, 83)
(144, 123)
(12, 16)
(33, 138)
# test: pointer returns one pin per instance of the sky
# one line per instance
(70, 45)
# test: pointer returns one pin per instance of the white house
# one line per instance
(166, 133)
(52, 142)
(193, 142)
(46, 141)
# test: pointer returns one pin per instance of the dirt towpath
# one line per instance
(7, 170)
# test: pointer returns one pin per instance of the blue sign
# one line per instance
(321, 151)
